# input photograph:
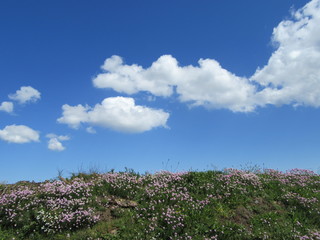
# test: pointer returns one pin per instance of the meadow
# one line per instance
(230, 204)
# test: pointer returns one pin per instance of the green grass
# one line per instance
(229, 204)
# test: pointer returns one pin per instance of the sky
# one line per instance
(158, 85)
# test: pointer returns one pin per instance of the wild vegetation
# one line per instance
(229, 204)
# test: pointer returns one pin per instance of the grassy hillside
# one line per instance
(229, 204)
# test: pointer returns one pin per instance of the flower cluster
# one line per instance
(237, 183)
(292, 178)
(121, 184)
(230, 204)
(170, 206)
(57, 221)
(48, 207)
(312, 235)
(14, 204)
(307, 203)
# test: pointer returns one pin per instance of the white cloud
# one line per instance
(117, 113)
(19, 134)
(214, 87)
(6, 106)
(55, 145)
(133, 78)
(54, 142)
(91, 130)
(207, 84)
(292, 75)
(26, 94)
(74, 115)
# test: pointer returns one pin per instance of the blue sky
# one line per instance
(153, 85)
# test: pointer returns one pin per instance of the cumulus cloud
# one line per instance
(6, 107)
(26, 94)
(74, 115)
(19, 134)
(291, 76)
(54, 142)
(207, 84)
(117, 113)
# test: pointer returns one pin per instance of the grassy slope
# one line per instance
(232, 204)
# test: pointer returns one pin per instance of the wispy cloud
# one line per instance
(91, 130)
